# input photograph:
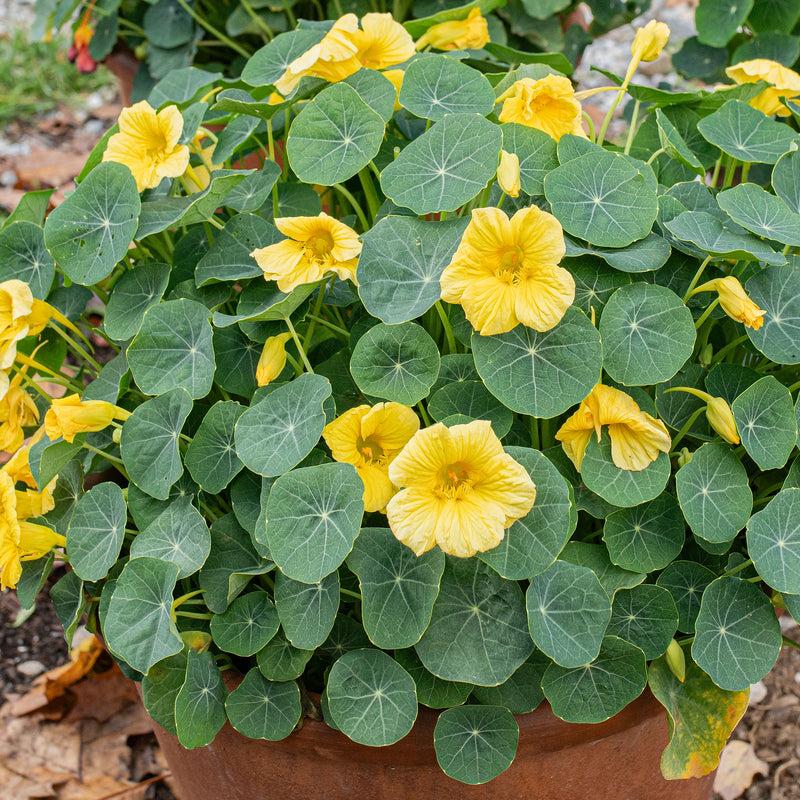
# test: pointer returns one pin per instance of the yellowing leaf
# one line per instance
(701, 717)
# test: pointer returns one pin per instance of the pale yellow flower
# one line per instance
(720, 418)
(147, 144)
(636, 437)
(370, 438)
(460, 490)
(395, 77)
(272, 359)
(21, 315)
(69, 416)
(505, 271)
(19, 540)
(31, 503)
(508, 173)
(785, 83)
(18, 466)
(332, 59)
(548, 104)
(649, 41)
(198, 177)
(17, 411)
(382, 42)
(734, 301)
(458, 34)
(316, 247)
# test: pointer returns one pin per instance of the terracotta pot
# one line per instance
(124, 65)
(614, 760)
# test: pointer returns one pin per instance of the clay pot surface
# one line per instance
(613, 760)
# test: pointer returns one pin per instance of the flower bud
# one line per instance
(273, 359)
(649, 41)
(706, 355)
(684, 457)
(676, 660)
(508, 173)
(734, 301)
(720, 418)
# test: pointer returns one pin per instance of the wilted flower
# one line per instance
(636, 437)
(147, 144)
(734, 301)
(316, 247)
(458, 34)
(78, 53)
(785, 83)
(508, 173)
(548, 104)
(505, 271)
(273, 359)
(69, 416)
(369, 438)
(461, 490)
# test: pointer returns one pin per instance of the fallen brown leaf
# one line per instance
(738, 765)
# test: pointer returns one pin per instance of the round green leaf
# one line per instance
(399, 363)
(270, 62)
(746, 133)
(173, 349)
(541, 374)
(138, 627)
(764, 414)
(261, 709)
(431, 691)
(246, 625)
(149, 442)
(596, 558)
(714, 493)
(473, 400)
(160, 687)
(377, 91)
(200, 702)
(91, 230)
(646, 537)
(439, 85)
(777, 291)
(644, 255)
(645, 616)
(446, 166)
(718, 20)
(211, 456)
(475, 743)
(179, 534)
(686, 581)
(786, 179)
(135, 292)
(532, 543)
(761, 213)
(621, 487)
(478, 633)
(314, 515)
(674, 144)
(334, 136)
(597, 691)
(568, 611)
(773, 541)
(522, 692)
(398, 588)
(280, 660)
(647, 332)
(737, 635)
(307, 610)
(96, 530)
(400, 265)
(602, 198)
(69, 602)
(371, 697)
(237, 358)
(23, 256)
(536, 151)
(278, 432)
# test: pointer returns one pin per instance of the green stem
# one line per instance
(448, 328)
(216, 223)
(329, 325)
(424, 414)
(607, 121)
(257, 19)
(290, 14)
(704, 316)
(348, 195)
(656, 155)
(348, 593)
(632, 129)
(315, 314)
(78, 350)
(204, 23)
(298, 343)
(108, 457)
(723, 351)
(696, 279)
(685, 429)
(533, 423)
(715, 174)
(373, 201)
(590, 123)
(730, 168)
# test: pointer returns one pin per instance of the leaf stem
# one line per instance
(299, 344)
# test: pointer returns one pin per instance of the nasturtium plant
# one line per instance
(446, 401)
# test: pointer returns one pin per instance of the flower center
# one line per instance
(369, 448)
(455, 479)
(510, 262)
(320, 244)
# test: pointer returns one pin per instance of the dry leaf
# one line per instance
(737, 768)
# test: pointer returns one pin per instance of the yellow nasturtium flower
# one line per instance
(369, 438)
(505, 271)
(458, 34)
(647, 46)
(147, 144)
(316, 247)
(18, 466)
(548, 104)
(17, 411)
(381, 42)
(273, 359)
(785, 83)
(21, 315)
(69, 416)
(636, 437)
(734, 301)
(460, 490)
(508, 173)
(19, 540)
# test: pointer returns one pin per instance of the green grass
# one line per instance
(35, 78)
